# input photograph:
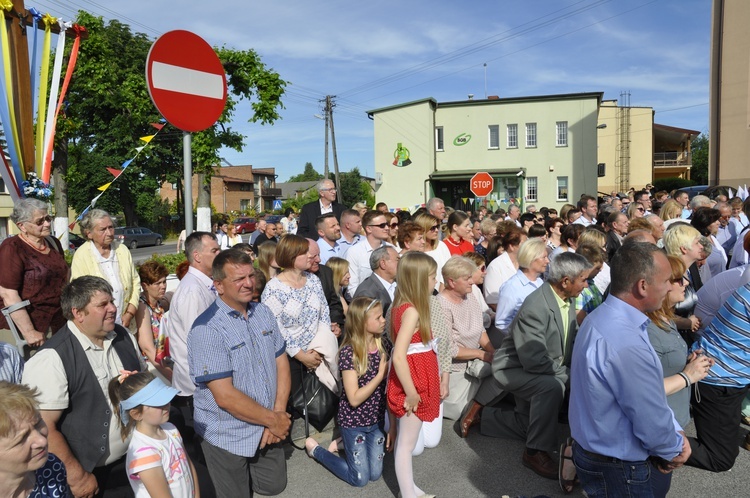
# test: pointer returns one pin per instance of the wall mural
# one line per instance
(401, 156)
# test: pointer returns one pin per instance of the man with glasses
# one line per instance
(377, 233)
(644, 197)
(325, 204)
(727, 234)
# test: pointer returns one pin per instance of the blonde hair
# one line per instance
(662, 316)
(413, 275)
(592, 236)
(266, 254)
(19, 403)
(427, 221)
(679, 236)
(670, 210)
(356, 333)
(339, 266)
(530, 250)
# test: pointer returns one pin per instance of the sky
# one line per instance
(377, 54)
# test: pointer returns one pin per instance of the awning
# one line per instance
(467, 174)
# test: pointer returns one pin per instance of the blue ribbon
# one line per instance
(34, 59)
(5, 119)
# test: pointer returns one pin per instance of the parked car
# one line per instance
(137, 237)
(245, 225)
(274, 218)
(709, 191)
(75, 241)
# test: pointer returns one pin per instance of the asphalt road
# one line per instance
(141, 254)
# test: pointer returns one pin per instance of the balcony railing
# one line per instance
(270, 192)
(671, 159)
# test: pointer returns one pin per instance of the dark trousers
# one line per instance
(717, 419)
(113, 480)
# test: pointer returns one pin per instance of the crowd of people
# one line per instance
(623, 316)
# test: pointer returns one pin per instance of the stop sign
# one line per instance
(481, 184)
(186, 80)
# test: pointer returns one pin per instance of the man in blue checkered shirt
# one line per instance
(238, 363)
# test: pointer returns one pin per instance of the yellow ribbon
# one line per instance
(12, 133)
(6, 4)
(148, 138)
(48, 21)
(104, 187)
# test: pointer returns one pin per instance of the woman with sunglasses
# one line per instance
(392, 221)
(34, 269)
(636, 210)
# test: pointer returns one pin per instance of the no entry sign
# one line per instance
(186, 80)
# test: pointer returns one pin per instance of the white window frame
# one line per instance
(532, 189)
(558, 185)
(561, 134)
(531, 135)
(496, 130)
(512, 136)
(439, 139)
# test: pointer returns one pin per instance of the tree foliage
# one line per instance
(309, 175)
(699, 151)
(108, 109)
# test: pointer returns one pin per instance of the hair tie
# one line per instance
(124, 374)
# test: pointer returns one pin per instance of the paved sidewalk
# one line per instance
(481, 466)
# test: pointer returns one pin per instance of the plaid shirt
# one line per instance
(589, 298)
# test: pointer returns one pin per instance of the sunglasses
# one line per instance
(641, 210)
(434, 228)
(483, 268)
(41, 221)
(379, 225)
(394, 225)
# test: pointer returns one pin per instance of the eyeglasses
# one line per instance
(379, 225)
(483, 268)
(332, 189)
(434, 228)
(41, 221)
(681, 281)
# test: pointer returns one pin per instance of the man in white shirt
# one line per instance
(310, 212)
(377, 232)
(351, 228)
(193, 296)
(587, 207)
(329, 233)
(513, 213)
(436, 207)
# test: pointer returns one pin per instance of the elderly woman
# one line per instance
(27, 468)
(468, 339)
(488, 227)
(33, 269)
(411, 237)
(532, 263)
(459, 236)
(684, 241)
(706, 220)
(477, 281)
(296, 298)
(148, 319)
(102, 256)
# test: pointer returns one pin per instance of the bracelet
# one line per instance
(684, 376)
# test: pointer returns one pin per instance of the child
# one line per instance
(414, 383)
(157, 463)
(363, 363)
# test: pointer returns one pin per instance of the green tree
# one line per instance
(309, 175)
(109, 109)
(699, 151)
(354, 189)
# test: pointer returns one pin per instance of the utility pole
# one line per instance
(333, 142)
(327, 113)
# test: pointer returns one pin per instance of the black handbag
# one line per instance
(313, 401)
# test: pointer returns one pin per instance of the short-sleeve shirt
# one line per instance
(11, 364)
(224, 344)
(169, 454)
(372, 410)
(37, 277)
(51, 479)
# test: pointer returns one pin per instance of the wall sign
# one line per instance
(462, 139)
(401, 156)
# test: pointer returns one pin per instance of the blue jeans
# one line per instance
(609, 477)
(365, 449)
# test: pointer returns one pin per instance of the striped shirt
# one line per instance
(727, 341)
(11, 364)
(222, 344)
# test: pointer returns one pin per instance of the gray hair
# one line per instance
(633, 261)
(78, 293)
(567, 264)
(706, 244)
(323, 184)
(91, 218)
(457, 267)
(433, 203)
(530, 250)
(24, 209)
(379, 254)
(194, 243)
(698, 201)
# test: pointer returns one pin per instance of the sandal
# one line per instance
(566, 485)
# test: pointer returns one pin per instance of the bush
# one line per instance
(170, 260)
(670, 184)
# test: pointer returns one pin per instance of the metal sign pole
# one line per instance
(188, 180)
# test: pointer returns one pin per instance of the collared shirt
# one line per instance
(618, 406)
(325, 210)
(358, 257)
(564, 305)
(11, 364)
(518, 223)
(727, 236)
(584, 221)
(194, 294)
(590, 298)
(345, 245)
(511, 296)
(717, 260)
(390, 287)
(327, 251)
(715, 292)
(739, 255)
(224, 344)
(727, 341)
(499, 271)
(110, 268)
(46, 372)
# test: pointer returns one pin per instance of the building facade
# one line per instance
(540, 150)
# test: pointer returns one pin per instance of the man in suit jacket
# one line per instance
(325, 275)
(533, 364)
(618, 227)
(312, 210)
(381, 285)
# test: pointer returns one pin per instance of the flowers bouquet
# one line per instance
(33, 186)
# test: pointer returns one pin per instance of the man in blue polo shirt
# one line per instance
(237, 360)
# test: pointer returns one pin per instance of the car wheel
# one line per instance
(158, 241)
(134, 245)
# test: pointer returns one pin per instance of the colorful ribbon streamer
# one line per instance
(7, 114)
(55, 88)
(48, 21)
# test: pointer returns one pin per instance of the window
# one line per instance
(439, 143)
(244, 204)
(2, 186)
(531, 189)
(512, 136)
(494, 136)
(246, 187)
(174, 186)
(530, 135)
(562, 134)
(562, 188)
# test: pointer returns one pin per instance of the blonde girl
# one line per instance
(156, 463)
(414, 384)
(363, 363)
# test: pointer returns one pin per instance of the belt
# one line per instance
(597, 457)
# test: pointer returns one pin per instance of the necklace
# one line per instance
(42, 249)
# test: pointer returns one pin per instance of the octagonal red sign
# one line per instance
(481, 184)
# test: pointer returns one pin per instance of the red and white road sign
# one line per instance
(186, 80)
(481, 184)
